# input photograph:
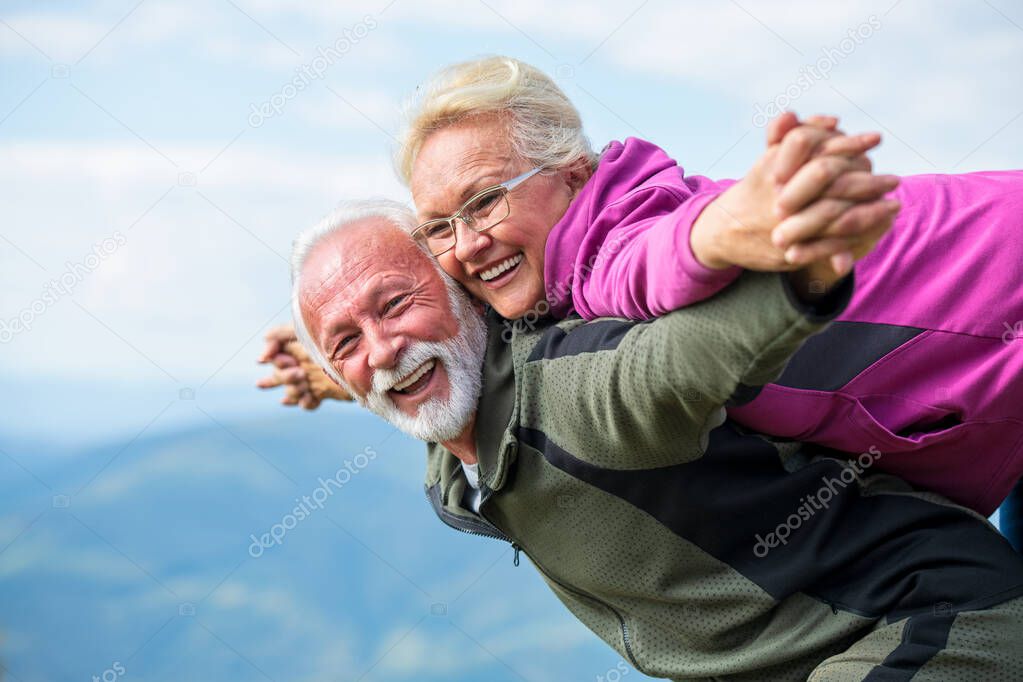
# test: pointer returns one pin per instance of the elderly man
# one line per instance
(601, 450)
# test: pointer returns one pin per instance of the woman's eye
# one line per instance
(438, 231)
(483, 204)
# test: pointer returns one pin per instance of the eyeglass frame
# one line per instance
(507, 186)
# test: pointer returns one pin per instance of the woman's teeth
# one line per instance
(500, 268)
(415, 376)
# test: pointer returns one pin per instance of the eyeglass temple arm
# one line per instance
(516, 181)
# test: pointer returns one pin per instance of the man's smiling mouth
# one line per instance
(417, 380)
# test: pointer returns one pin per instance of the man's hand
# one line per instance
(849, 209)
(810, 196)
(305, 383)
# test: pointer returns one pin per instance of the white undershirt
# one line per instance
(472, 493)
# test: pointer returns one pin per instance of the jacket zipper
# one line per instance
(489, 530)
(621, 620)
(483, 529)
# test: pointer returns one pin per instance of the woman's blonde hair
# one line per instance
(545, 127)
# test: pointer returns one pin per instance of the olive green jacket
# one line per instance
(699, 551)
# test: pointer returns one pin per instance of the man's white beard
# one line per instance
(462, 357)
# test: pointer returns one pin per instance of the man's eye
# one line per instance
(346, 341)
(395, 302)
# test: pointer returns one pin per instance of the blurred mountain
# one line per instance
(135, 558)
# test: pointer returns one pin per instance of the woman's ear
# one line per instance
(578, 174)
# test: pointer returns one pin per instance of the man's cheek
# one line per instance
(360, 383)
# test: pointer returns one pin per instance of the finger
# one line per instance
(309, 402)
(842, 252)
(850, 145)
(796, 149)
(810, 182)
(821, 121)
(284, 360)
(292, 375)
(270, 349)
(861, 186)
(856, 221)
(867, 219)
(808, 223)
(861, 163)
(296, 349)
(842, 263)
(292, 395)
(780, 126)
(276, 337)
(805, 253)
(270, 381)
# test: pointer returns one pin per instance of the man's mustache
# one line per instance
(411, 359)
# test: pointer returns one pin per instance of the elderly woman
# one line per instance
(517, 207)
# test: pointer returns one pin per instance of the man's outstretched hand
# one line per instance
(830, 203)
(305, 383)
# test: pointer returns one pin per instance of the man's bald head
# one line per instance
(344, 242)
(382, 319)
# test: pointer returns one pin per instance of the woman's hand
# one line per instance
(845, 220)
(810, 196)
(305, 383)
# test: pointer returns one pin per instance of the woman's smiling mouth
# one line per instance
(499, 274)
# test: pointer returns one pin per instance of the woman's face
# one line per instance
(459, 160)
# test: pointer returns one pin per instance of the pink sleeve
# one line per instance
(637, 260)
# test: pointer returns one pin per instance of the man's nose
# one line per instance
(384, 350)
(469, 243)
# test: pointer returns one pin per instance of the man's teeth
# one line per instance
(501, 267)
(415, 376)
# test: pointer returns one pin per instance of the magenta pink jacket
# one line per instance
(926, 364)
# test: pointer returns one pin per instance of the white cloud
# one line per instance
(187, 265)
(941, 89)
(67, 37)
(368, 109)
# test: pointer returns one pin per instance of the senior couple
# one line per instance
(676, 439)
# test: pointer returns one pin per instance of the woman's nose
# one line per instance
(469, 243)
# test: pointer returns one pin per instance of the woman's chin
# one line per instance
(517, 303)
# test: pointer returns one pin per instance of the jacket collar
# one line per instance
(497, 413)
(496, 417)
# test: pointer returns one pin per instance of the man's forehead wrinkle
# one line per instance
(335, 275)
(363, 284)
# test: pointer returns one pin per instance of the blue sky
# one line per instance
(158, 95)
(111, 111)
(130, 164)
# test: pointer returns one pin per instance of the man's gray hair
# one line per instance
(347, 213)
